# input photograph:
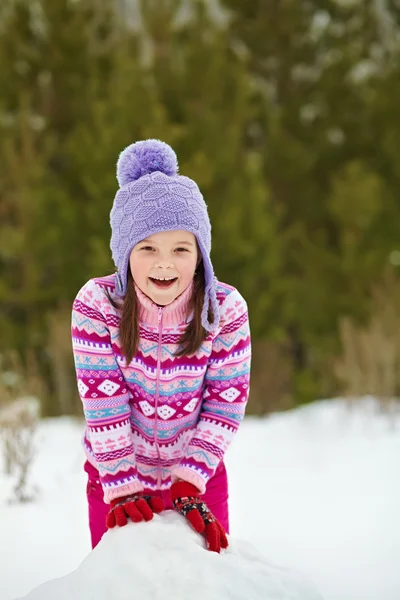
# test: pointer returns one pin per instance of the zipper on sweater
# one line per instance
(160, 313)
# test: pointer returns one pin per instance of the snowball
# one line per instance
(166, 560)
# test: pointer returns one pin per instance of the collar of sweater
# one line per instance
(173, 313)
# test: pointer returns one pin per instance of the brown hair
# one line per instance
(194, 334)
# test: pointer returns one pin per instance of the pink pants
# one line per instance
(215, 496)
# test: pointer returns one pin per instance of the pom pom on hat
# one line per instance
(142, 158)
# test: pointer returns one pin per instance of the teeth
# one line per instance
(164, 278)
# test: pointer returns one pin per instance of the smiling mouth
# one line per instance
(164, 284)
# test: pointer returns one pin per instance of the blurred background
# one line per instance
(285, 113)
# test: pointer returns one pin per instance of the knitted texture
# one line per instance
(145, 157)
(186, 500)
(138, 508)
(154, 198)
(159, 418)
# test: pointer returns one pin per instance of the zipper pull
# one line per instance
(159, 315)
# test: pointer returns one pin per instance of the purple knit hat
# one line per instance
(152, 198)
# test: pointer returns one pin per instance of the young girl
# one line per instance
(162, 357)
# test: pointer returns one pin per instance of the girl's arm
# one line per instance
(103, 392)
(225, 395)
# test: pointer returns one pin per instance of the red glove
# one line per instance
(136, 506)
(186, 500)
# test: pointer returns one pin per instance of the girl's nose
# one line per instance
(164, 263)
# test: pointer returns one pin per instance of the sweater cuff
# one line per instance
(188, 474)
(123, 490)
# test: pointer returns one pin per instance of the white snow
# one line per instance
(166, 560)
(315, 490)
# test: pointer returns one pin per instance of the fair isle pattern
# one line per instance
(160, 417)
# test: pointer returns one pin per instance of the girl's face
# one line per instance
(163, 265)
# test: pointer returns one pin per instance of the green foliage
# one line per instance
(285, 113)
(325, 72)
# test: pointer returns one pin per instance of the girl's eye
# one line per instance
(151, 248)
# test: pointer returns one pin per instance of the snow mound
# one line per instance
(166, 560)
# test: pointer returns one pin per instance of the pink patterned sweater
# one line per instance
(158, 418)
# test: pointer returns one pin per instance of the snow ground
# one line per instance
(315, 490)
(147, 558)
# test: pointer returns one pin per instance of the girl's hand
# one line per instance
(137, 506)
(186, 500)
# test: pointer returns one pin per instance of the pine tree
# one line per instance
(318, 67)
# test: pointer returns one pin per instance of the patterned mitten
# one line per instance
(186, 500)
(137, 506)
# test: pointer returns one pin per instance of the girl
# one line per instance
(162, 357)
